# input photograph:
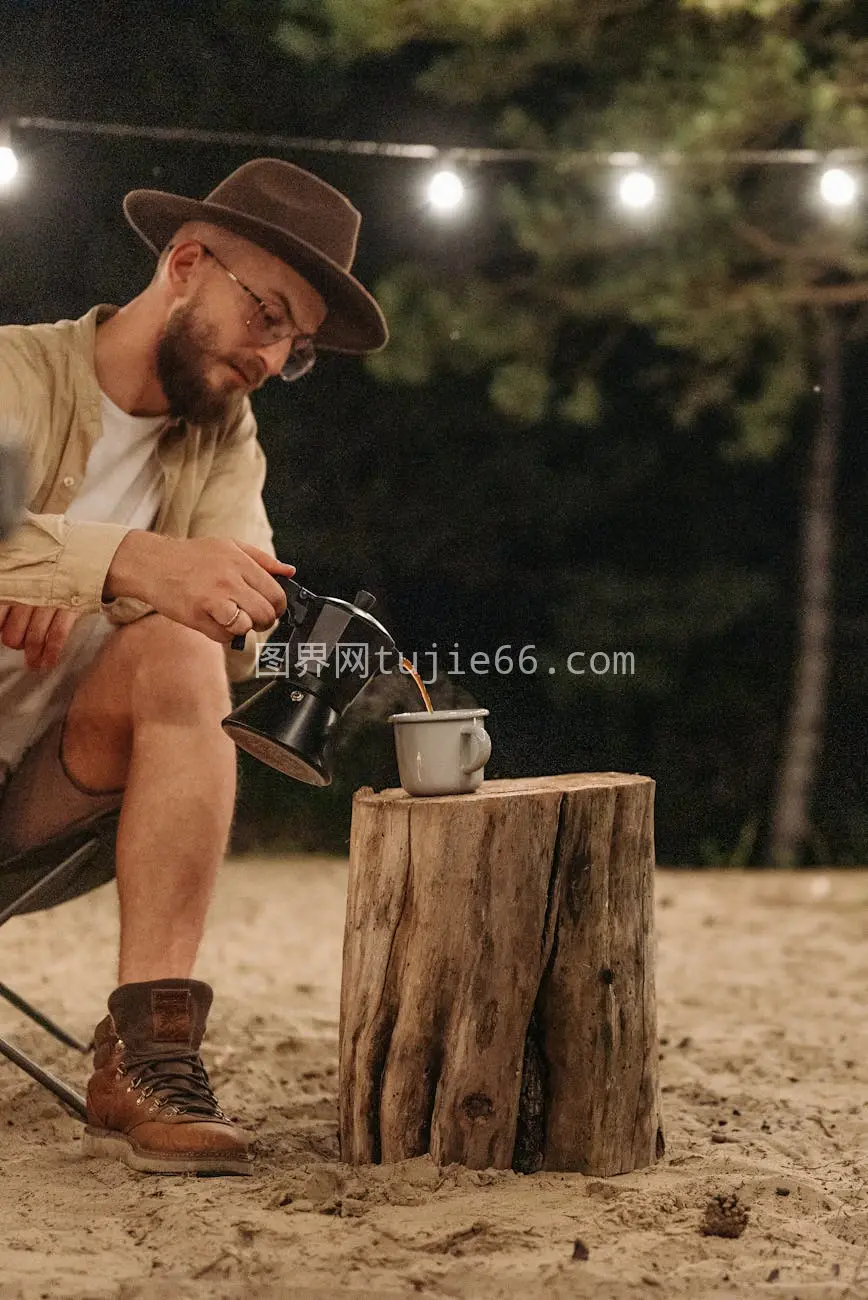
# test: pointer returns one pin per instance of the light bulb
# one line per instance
(838, 188)
(445, 191)
(8, 164)
(637, 190)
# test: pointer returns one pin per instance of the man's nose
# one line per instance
(274, 356)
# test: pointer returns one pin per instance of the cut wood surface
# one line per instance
(497, 998)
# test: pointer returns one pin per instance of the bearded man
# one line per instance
(145, 550)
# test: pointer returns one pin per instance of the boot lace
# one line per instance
(178, 1078)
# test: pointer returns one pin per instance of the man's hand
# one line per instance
(200, 581)
(40, 632)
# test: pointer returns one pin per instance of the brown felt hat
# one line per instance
(289, 212)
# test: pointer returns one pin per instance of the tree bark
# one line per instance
(497, 1004)
(790, 819)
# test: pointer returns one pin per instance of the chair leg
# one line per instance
(67, 1095)
(69, 1040)
(72, 863)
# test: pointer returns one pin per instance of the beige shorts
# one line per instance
(45, 814)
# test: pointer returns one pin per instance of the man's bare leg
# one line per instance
(147, 716)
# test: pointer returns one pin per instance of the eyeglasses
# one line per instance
(269, 325)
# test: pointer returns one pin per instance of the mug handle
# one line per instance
(480, 746)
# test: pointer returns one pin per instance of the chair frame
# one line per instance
(30, 900)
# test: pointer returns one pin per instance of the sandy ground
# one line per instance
(761, 986)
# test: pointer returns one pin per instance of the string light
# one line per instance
(8, 160)
(8, 165)
(637, 191)
(445, 191)
(838, 187)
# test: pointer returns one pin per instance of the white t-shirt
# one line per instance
(123, 481)
(123, 484)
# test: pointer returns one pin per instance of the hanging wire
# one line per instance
(566, 158)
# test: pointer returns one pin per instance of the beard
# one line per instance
(183, 355)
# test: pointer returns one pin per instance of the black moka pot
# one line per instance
(330, 651)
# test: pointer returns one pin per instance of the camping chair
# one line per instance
(39, 878)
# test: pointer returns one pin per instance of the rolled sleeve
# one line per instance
(84, 562)
(50, 561)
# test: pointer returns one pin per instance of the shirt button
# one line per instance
(75, 600)
(69, 481)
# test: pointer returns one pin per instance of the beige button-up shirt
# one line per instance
(50, 402)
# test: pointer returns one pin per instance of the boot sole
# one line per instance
(105, 1145)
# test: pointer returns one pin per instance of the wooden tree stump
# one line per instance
(497, 1002)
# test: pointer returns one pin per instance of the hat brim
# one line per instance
(354, 323)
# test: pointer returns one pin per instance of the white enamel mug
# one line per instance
(442, 752)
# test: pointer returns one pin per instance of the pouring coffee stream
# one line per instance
(426, 698)
(292, 723)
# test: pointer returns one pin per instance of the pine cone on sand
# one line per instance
(724, 1217)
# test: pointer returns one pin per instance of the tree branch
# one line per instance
(772, 248)
(805, 295)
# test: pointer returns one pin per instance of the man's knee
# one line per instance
(151, 669)
(168, 661)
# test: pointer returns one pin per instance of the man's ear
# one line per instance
(183, 263)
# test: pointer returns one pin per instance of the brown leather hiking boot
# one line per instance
(148, 1101)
